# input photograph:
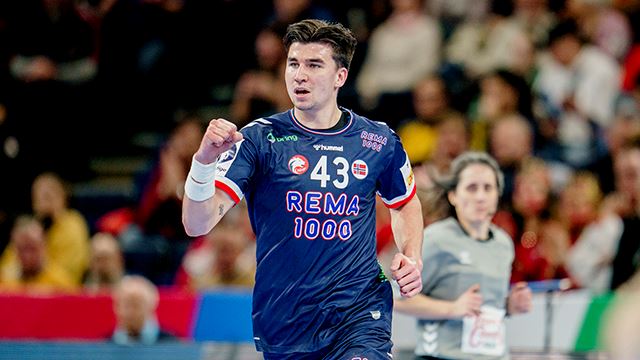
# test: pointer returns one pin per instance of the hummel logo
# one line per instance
(320, 147)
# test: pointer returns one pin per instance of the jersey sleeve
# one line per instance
(236, 167)
(397, 184)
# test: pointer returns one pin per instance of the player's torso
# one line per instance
(318, 183)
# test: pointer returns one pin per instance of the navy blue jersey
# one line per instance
(311, 198)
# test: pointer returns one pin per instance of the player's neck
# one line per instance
(318, 119)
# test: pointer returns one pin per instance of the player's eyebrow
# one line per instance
(308, 61)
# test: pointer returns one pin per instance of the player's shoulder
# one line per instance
(441, 232)
(371, 130)
(265, 124)
(365, 122)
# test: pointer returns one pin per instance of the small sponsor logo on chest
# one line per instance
(298, 164)
(321, 147)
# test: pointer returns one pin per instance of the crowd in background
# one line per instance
(551, 89)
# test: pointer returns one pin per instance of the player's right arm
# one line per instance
(202, 207)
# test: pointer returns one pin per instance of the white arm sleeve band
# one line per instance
(199, 185)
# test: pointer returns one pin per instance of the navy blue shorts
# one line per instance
(367, 336)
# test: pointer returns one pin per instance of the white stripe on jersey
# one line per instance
(256, 122)
(398, 198)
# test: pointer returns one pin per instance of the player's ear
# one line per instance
(451, 196)
(341, 77)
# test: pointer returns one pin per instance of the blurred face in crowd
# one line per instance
(627, 172)
(510, 140)
(135, 302)
(312, 76)
(503, 94)
(269, 50)
(48, 196)
(29, 241)
(475, 198)
(106, 258)
(620, 131)
(429, 99)
(565, 49)
(531, 191)
(579, 200)
(185, 139)
(453, 140)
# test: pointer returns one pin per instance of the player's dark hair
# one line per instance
(340, 38)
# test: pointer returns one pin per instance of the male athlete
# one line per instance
(310, 176)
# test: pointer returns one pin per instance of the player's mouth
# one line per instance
(301, 91)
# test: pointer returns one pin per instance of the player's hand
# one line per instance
(519, 301)
(407, 272)
(219, 137)
(467, 304)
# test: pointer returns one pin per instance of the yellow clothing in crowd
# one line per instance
(419, 140)
(52, 278)
(67, 246)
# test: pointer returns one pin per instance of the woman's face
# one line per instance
(475, 199)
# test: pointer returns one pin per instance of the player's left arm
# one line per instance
(406, 266)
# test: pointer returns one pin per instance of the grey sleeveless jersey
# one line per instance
(454, 261)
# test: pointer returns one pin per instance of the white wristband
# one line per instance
(199, 185)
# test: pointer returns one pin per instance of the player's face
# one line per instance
(476, 196)
(312, 76)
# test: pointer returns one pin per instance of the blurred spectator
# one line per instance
(502, 94)
(226, 262)
(106, 265)
(481, 47)
(66, 230)
(525, 217)
(624, 201)
(578, 203)
(530, 199)
(511, 144)
(135, 300)
(431, 105)
(625, 125)
(535, 17)
(577, 85)
(155, 241)
(224, 257)
(604, 26)
(262, 91)
(625, 262)
(590, 260)
(543, 248)
(453, 139)
(402, 50)
(30, 269)
(453, 13)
